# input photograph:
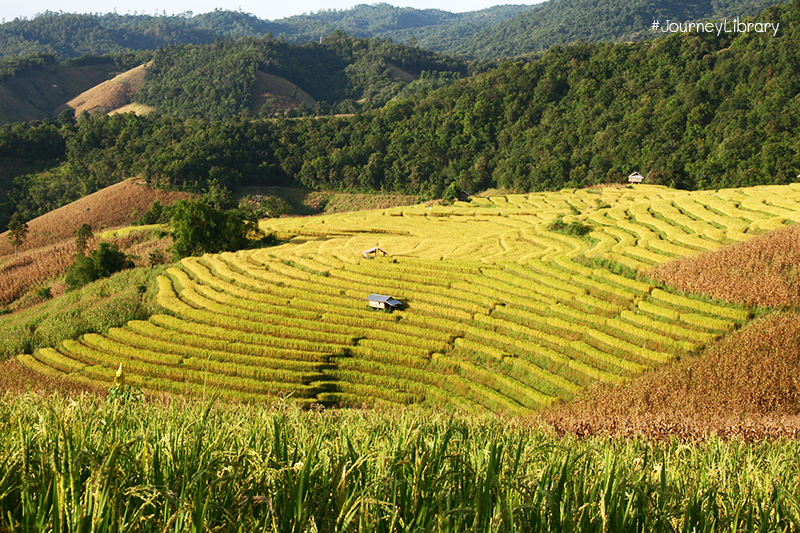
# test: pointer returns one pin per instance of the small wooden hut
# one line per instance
(381, 301)
(372, 253)
(635, 178)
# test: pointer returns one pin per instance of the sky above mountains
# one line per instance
(264, 10)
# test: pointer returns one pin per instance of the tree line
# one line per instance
(71, 35)
(343, 73)
(687, 110)
(488, 34)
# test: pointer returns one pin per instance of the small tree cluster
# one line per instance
(101, 263)
(198, 228)
(17, 231)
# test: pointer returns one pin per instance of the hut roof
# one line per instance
(374, 250)
(385, 299)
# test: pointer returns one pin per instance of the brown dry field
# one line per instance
(19, 379)
(746, 384)
(139, 109)
(764, 271)
(49, 248)
(112, 207)
(109, 95)
(269, 87)
(34, 268)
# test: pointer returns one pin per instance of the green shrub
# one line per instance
(103, 262)
(573, 228)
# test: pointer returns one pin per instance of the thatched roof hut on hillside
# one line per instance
(373, 252)
(381, 301)
(635, 178)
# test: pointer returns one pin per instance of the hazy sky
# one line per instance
(11, 9)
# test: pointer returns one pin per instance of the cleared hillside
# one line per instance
(114, 206)
(41, 93)
(278, 94)
(110, 95)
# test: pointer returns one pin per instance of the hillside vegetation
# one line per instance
(511, 315)
(70, 35)
(560, 22)
(218, 80)
(224, 79)
(225, 468)
(691, 111)
(493, 33)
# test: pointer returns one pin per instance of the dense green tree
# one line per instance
(82, 236)
(80, 272)
(104, 261)
(108, 259)
(17, 231)
(198, 228)
(219, 197)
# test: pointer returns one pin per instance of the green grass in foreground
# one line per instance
(84, 465)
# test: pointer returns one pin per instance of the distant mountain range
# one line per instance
(72, 35)
(497, 32)
(250, 77)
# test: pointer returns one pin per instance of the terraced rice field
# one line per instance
(501, 313)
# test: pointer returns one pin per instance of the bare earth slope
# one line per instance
(110, 95)
(42, 93)
(117, 205)
(283, 93)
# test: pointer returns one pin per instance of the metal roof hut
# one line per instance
(372, 253)
(635, 178)
(381, 301)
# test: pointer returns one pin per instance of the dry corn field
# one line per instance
(773, 259)
(37, 268)
(501, 314)
(745, 385)
(118, 205)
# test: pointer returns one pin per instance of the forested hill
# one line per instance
(500, 31)
(688, 110)
(568, 21)
(226, 79)
(343, 74)
(68, 35)
(433, 29)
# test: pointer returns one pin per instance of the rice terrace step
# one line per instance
(501, 313)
